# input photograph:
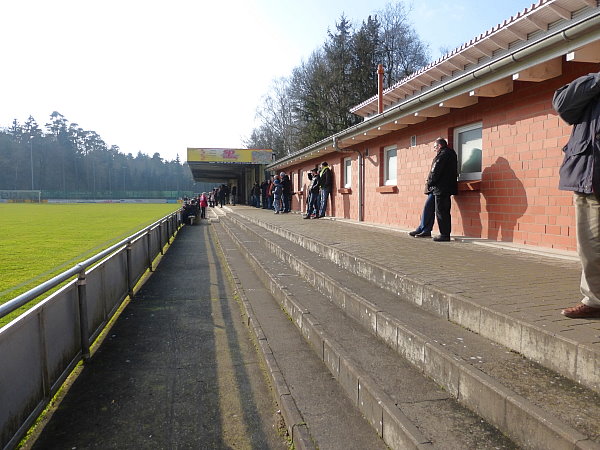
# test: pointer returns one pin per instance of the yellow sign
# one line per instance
(230, 155)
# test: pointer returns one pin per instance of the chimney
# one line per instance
(380, 88)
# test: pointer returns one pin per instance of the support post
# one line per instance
(149, 249)
(83, 313)
(129, 271)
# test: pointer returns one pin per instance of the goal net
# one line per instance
(20, 196)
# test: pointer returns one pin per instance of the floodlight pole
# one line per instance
(31, 154)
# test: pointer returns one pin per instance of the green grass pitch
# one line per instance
(39, 241)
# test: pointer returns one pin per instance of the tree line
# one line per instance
(314, 102)
(64, 158)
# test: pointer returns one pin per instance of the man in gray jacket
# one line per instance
(578, 104)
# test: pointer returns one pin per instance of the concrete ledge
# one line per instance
(481, 393)
(353, 380)
(294, 421)
(556, 353)
(399, 432)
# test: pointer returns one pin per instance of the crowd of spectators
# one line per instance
(195, 208)
(276, 193)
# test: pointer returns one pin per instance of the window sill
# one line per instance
(387, 189)
(345, 191)
(469, 185)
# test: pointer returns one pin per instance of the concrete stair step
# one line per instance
(316, 411)
(513, 393)
(577, 358)
(406, 408)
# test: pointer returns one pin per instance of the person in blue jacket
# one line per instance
(578, 104)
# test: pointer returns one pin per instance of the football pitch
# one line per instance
(39, 241)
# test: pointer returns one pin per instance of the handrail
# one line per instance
(35, 292)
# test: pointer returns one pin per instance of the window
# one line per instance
(390, 166)
(413, 141)
(468, 149)
(347, 172)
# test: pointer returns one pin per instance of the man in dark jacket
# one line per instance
(442, 183)
(578, 104)
(287, 192)
(325, 185)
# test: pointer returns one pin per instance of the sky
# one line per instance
(161, 76)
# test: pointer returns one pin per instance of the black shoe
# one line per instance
(423, 234)
(441, 238)
(306, 217)
(413, 233)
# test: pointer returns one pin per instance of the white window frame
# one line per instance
(459, 150)
(347, 173)
(390, 178)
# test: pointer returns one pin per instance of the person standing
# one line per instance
(269, 193)
(287, 192)
(226, 191)
(277, 194)
(442, 182)
(313, 195)
(578, 104)
(264, 186)
(221, 195)
(233, 194)
(325, 185)
(203, 202)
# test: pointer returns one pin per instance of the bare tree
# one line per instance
(277, 128)
(403, 51)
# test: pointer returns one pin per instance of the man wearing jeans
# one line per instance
(442, 183)
(578, 104)
(427, 218)
(325, 184)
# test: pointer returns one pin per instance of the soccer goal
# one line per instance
(20, 196)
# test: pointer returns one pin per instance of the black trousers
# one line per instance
(442, 213)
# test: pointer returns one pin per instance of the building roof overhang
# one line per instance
(528, 47)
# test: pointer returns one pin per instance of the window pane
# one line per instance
(469, 144)
(391, 167)
(347, 173)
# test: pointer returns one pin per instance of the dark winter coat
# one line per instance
(314, 184)
(326, 178)
(287, 185)
(578, 104)
(443, 177)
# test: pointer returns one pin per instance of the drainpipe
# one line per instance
(361, 171)
(380, 88)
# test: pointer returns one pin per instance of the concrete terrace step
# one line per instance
(509, 297)
(509, 391)
(316, 412)
(407, 409)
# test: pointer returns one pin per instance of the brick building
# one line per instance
(491, 99)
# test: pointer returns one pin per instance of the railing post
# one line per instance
(160, 238)
(83, 314)
(149, 242)
(129, 271)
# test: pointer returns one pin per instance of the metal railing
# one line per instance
(40, 347)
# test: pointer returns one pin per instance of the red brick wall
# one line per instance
(518, 200)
